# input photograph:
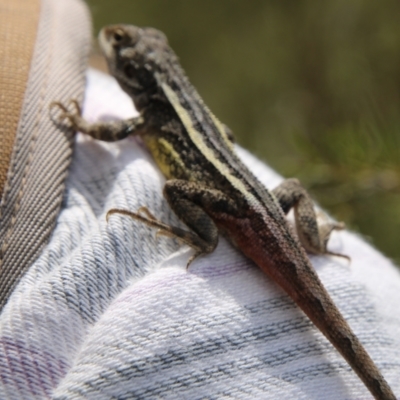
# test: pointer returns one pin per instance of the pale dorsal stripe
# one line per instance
(197, 139)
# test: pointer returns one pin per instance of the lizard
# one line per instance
(212, 191)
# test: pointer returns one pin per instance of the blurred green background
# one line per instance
(312, 88)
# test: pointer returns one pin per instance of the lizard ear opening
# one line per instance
(129, 71)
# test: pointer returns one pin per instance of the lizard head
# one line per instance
(138, 58)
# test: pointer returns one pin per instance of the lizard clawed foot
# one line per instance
(326, 227)
(149, 219)
(332, 253)
(73, 117)
(162, 229)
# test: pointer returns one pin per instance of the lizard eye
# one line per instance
(118, 36)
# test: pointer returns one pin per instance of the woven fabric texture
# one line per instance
(109, 310)
(18, 26)
(41, 152)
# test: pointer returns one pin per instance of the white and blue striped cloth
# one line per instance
(109, 311)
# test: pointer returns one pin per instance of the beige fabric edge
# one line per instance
(18, 26)
(42, 153)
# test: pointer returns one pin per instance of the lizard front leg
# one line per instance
(192, 203)
(110, 131)
(313, 230)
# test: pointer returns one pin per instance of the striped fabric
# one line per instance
(109, 311)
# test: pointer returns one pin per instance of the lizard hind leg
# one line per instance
(185, 236)
(313, 229)
(193, 203)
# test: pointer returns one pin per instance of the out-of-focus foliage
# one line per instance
(311, 87)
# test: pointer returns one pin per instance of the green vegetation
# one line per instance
(311, 87)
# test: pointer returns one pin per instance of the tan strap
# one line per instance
(18, 26)
(45, 44)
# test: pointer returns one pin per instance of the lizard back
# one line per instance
(189, 143)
